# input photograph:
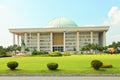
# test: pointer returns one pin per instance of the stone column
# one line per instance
(13, 39)
(38, 41)
(25, 38)
(18, 40)
(104, 38)
(51, 41)
(64, 41)
(30, 41)
(78, 48)
(91, 34)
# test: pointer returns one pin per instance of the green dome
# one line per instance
(61, 23)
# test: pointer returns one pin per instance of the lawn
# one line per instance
(75, 64)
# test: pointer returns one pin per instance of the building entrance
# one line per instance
(58, 48)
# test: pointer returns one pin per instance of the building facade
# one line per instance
(60, 34)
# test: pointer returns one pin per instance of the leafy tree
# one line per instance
(116, 46)
(93, 48)
(11, 48)
(2, 51)
(86, 48)
(15, 48)
(27, 49)
(19, 48)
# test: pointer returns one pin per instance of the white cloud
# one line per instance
(5, 36)
(3, 7)
(5, 15)
(114, 22)
(3, 11)
(8, 19)
(113, 17)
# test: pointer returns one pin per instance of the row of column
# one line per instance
(51, 40)
(91, 37)
(38, 42)
(14, 40)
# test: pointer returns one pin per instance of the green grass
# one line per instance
(75, 64)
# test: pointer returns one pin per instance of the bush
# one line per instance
(35, 52)
(12, 65)
(66, 54)
(7, 55)
(2, 52)
(96, 64)
(52, 66)
(106, 66)
(42, 52)
(55, 54)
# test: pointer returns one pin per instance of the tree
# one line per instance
(14, 48)
(86, 48)
(93, 48)
(116, 46)
(2, 51)
(27, 49)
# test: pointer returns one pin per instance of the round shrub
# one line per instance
(107, 66)
(96, 64)
(52, 66)
(12, 65)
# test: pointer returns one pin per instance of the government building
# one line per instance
(60, 34)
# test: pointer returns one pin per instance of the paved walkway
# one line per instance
(59, 78)
(56, 78)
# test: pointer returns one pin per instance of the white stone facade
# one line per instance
(74, 38)
(61, 34)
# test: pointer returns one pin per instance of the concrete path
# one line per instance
(59, 78)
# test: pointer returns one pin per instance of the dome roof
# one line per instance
(61, 22)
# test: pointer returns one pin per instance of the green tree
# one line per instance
(13, 48)
(2, 51)
(27, 49)
(93, 48)
(116, 46)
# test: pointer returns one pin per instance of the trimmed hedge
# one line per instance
(107, 66)
(55, 54)
(52, 66)
(96, 64)
(12, 65)
(35, 52)
(66, 54)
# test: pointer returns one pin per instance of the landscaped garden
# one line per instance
(92, 59)
(74, 64)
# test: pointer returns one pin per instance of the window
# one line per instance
(58, 48)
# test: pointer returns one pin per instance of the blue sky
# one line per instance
(37, 13)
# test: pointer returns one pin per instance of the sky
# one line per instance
(37, 13)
